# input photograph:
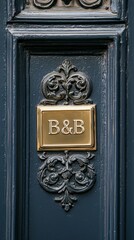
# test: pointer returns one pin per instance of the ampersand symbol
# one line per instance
(66, 129)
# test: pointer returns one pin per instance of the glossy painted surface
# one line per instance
(30, 48)
(96, 207)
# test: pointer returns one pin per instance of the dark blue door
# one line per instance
(74, 60)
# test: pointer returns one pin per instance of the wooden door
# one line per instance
(74, 56)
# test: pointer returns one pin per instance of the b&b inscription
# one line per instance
(78, 127)
(66, 127)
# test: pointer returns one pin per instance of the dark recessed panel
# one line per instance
(44, 213)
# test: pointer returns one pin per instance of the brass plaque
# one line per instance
(66, 127)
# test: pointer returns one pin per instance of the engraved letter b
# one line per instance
(53, 127)
(79, 126)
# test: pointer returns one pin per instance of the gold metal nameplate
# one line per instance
(66, 127)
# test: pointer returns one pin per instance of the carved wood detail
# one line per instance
(44, 4)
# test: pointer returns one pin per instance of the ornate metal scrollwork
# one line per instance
(66, 84)
(44, 4)
(65, 175)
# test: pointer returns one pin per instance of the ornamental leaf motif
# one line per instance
(67, 84)
(44, 4)
(66, 175)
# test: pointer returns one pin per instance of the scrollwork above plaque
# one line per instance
(44, 4)
(66, 84)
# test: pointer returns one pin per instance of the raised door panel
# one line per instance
(96, 213)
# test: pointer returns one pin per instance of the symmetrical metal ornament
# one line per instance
(66, 173)
(44, 4)
(66, 84)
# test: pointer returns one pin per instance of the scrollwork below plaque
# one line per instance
(66, 173)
